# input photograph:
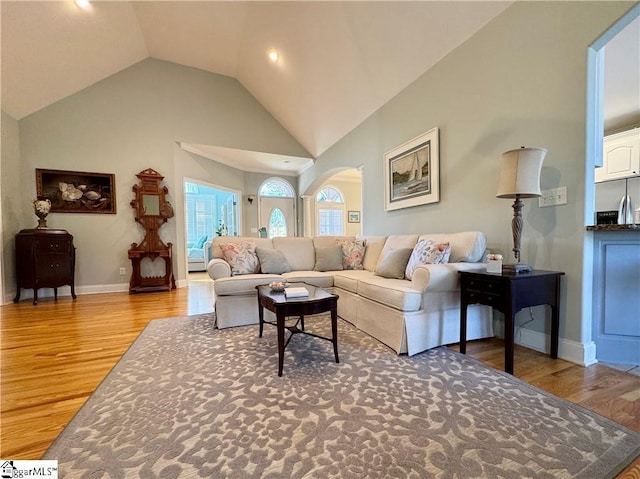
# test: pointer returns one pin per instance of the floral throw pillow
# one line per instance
(352, 253)
(241, 257)
(427, 252)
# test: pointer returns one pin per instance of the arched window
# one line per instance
(276, 187)
(330, 210)
(277, 224)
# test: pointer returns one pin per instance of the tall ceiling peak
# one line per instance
(338, 61)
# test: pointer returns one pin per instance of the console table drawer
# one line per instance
(481, 297)
(487, 285)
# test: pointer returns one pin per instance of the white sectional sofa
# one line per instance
(409, 316)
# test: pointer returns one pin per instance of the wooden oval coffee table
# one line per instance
(318, 301)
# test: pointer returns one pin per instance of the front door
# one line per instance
(277, 216)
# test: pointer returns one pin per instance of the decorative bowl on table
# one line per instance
(278, 286)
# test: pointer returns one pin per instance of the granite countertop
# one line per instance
(614, 227)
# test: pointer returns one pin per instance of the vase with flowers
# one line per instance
(41, 207)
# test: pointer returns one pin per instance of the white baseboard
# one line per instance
(572, 351)
(66, 291)
(103, 288)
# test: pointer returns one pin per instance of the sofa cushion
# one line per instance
(394, 263)
(352, 253)
(196, 253)
(316, 278)
(466, 246)
(299, 252)
(395, 293)
(200, 243)
(427, 252)
(241, 257)
(329, 258)
(242, 285)
(348, 279)
(272, 261)
(372, 248)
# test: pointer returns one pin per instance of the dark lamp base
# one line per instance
(517, 268)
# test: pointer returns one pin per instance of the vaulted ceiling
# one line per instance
(338, 61)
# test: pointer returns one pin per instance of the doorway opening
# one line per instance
(609, 322)
(210, 211)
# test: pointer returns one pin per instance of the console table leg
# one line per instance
(463, 328)
(280, 327)
(334, 332)
(555, 331)
(508, 340)
(555, 319)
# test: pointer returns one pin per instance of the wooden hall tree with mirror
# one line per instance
(152, 211)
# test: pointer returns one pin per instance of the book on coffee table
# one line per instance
(296, 292)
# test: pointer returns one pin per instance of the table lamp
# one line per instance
(520, 178)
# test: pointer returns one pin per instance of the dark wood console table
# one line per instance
(509, 293)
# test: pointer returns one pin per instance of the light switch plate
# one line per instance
(553, 197)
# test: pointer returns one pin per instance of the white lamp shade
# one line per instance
(520, 173)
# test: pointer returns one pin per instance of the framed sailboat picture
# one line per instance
(412, 172)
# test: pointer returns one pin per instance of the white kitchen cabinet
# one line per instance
(621, 156)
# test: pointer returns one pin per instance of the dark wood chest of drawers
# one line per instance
(45, 258)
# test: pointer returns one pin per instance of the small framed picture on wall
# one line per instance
(353, 216)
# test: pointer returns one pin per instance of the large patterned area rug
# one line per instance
(187, 400)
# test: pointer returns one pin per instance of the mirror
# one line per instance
(151, 205)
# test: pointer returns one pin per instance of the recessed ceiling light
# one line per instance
(273, 55)
(83, 3)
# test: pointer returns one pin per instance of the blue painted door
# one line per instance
(616, 299)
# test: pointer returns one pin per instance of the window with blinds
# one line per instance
(330, 211)
(209, 210)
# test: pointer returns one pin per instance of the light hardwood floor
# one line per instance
(55, 354)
